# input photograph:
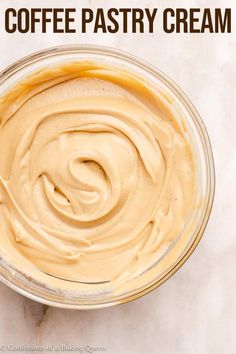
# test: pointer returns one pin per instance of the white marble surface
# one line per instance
(195, 311)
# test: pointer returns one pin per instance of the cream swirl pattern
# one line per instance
(97, 177)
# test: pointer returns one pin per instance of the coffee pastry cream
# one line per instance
(97, 176)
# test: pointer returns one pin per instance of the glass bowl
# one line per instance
(193, 231)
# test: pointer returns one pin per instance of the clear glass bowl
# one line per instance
(192, 233)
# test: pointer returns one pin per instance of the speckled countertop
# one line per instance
(195, 311)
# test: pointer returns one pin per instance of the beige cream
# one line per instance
(97, 178)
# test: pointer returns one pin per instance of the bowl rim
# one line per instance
(171, 84)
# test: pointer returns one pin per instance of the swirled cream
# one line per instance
(97, 177)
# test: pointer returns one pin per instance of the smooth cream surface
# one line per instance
(97, 177)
